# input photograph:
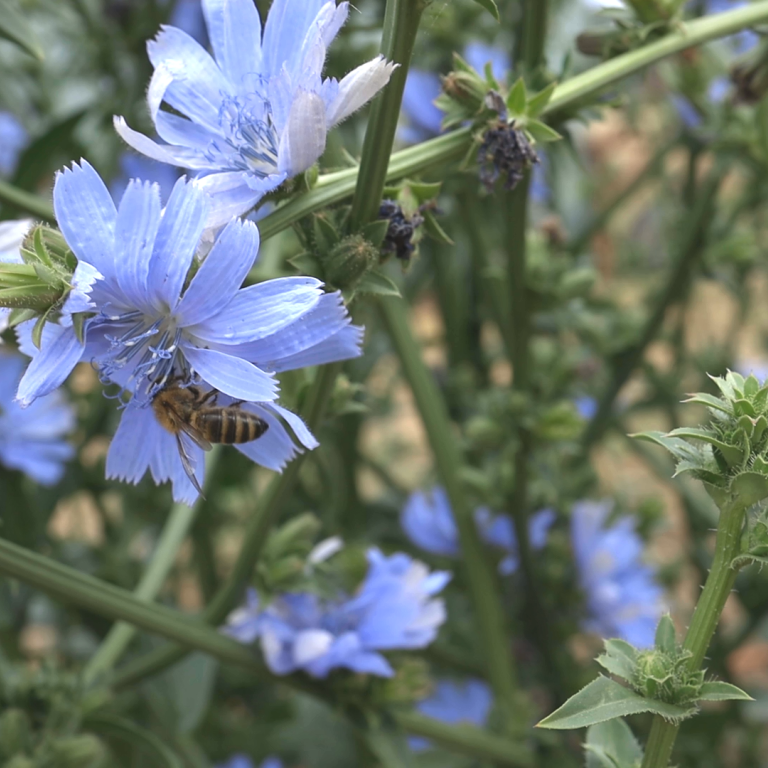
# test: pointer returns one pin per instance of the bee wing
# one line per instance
(196, 437)
(187, 463)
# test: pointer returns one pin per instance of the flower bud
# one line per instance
(348, 261)
(466, 88)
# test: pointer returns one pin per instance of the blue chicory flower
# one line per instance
(32, 439)
(243, 761)
(623, 598)
(151, 327)
(427, 519)
(394, 609)
(13, 139)
(260, 112)
(451, 702)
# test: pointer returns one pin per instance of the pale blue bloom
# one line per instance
(187, 15)
(586, 406)
(427, 519)
(718, 89)
(243, 761)
(622, 596)
(260, 112)
(152, 326)
(394, 609)
(32, 439)
(13, 139)
(468, 702)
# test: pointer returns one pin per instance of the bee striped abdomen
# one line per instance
(230, 426)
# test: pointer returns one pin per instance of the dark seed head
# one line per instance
(504, 152)
(400, 231)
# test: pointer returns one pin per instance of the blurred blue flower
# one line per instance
(151, 326)
(427, 519)
(466, 702)
(718, 89)
(32, 439)
(394, 609)
(260, 112)
(243, 761)
(745, 39)
(13, 139)
(757, 367)
(134, 166)
(686, 111)
(423, 118)
(586, 406)
(623, 598)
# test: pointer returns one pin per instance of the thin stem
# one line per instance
(696, 224)
(27, 202)
(401, 24)
(704, 622)
(482, 585)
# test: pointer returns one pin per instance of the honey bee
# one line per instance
(188, 410)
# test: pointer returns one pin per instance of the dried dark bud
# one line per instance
(400, 231)
(505, 151)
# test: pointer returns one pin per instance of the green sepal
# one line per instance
(540, 100)
(749, 487)
(491, 7)
(716, 690)
(733, 455)
(433, 228)
(307, 264)
(425, 191)
(666, 637)
(604, 699)
(517, 98)
(703, 398)
(325, 234)
(376, 231)
(541, 131)
(377, 283)
(78, 324)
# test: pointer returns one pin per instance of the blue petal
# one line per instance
(138, 435)
(421, 89)
(138, 219)
(221, 274)
(287, 24)
(187, 158)
(233, 193)
(231, 375)
(477, 55)
(199, 86)
(275, 448)
(165, 464)
(343, 345)
(262, 310)
(43, 462)
(79, 298)
(234, 28)
(297, 424)
(86, 216)
(177, 239)
(303, 137)
(359, 87)
(182, 132)
(60, 352)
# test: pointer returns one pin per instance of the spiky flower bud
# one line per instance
(466, 88)
(349, 260)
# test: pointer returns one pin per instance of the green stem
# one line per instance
(704, 622)
(335, 187)
(26, 201)
(270, 504)
(401, 24)
(431, 406)
(695, 226)
(174, 532)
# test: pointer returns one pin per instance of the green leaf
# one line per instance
(517, 98)
(541, 131)
(710, 401)
(434, 230)
(620, 659)
(189, 686)
(307, 264)
(378, 283)
(612, 745)
(715, 690)
(750, 487)
(731, 453)
(325, 233)
(666, 638)
(537, 103)
(604, 699)
(424, 191)
(123, 730)
(376, 231)
(491, 7)
(15, 27)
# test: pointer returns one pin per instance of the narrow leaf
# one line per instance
(434, 230)
(491, 7)
(542, 132)
(379, 284)
(376, 231)
(666, 639)
(604, 699)
(517, 98)
(15, 27)
(716, 690)
(537, 103)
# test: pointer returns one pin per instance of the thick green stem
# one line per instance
(696, 225)
(704, 622)
(401, 24)
(443, 440)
